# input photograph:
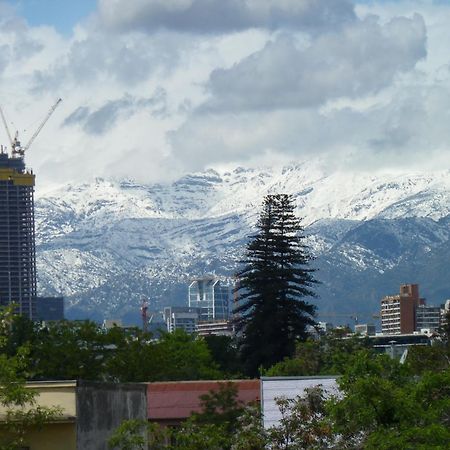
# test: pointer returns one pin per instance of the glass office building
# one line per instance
(210, 297)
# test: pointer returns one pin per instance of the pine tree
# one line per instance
(272, 313)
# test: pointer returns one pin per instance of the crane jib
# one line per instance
(16, 147)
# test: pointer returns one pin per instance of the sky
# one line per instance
(154, 89)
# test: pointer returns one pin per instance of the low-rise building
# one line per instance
(216, 328)
(395, 346)
(181, 318)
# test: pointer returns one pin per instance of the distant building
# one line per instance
(428, 317)
(111, 323)
(365, 329)
(181, 318)
(324, 327)
(216, 328)
(445, 309)
(210, 297)
(398, 312)
(50, 308)
(395, 346)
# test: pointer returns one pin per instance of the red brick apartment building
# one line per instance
(398, 312)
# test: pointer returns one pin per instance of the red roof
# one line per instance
(179, 399)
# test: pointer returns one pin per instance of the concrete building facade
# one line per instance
(181, 318)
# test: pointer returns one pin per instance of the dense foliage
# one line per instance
(273, 285)
(82, 350)
(19, 412)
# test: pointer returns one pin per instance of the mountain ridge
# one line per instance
(106, 243)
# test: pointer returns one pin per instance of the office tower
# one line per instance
(210, 297)
(17, 235)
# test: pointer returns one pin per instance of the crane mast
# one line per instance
(6, 127)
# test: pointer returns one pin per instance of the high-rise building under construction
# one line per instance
(17, 235)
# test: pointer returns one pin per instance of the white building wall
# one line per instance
(289, 387)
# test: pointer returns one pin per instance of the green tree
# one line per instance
(221, 407)
(249, 433)
(328, 355)
(273, 285)
(303, 424)
(421, 358)
(136, 434)
(70, 350)
(225, 354)
(175, 356)
(18, 403)
(384, 406)
(215, 426)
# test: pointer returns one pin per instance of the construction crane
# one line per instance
(6, 127)
(16, 148)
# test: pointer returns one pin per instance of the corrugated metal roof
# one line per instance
(178, 400)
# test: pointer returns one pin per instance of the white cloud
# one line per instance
(402, 133)
(361, 59)
(364, 91)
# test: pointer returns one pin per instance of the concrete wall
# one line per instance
(102, 407)
(60, 434)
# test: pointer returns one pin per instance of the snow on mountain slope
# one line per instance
(103, 244)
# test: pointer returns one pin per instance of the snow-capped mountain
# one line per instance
(105, 244)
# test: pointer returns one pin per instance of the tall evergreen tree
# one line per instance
(272, 312)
